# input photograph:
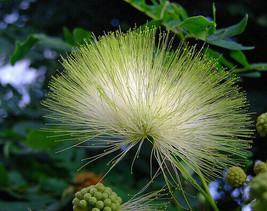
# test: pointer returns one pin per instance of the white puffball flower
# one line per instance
(124, 90)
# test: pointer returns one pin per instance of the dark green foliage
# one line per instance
(199, 27)
(23, 48)
(230, 31)
(170, 15)
(78, 37)
(3, 176)
(42, 139)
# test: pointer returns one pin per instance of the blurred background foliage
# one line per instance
(33, 35)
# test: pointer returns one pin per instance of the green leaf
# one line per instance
(16, 179)
(43, 139)
(222, 60)
(9, 206)
(199, 26)
(53, 185)
(259, 66)
(231, 45)
(80, 35)
(251, 75)
(3, 176)
(240, 57)
(23, 127)
(68, 36)
(32, 201)
(23, 48)
(230, 31)
(10, 134)
(172, 24)
(236, 29)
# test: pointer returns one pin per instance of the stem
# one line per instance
(206, 193)
(177, 205)
(180, 34)
(163, 9)
(205, 185)
(240, 70)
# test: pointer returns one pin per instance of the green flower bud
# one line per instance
(98, 195)
(261, 124)
(235, 176)
(113, 198)
(87, 196)
(114, 207)
(259, 191)
(75, 201)
(79, 195)
(77, 208)
(258, 185)
(107, 202)
(96, 198)
(92, 200)
(264, 196)
(84, 191)
(261, 167)
(83, 204)
(108, 190)
(119, 199)
(105, 196)
(93, 190)
(99, 204)
(100, 187)
(114, 194)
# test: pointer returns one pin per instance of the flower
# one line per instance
(124, 90)
(259, 191)
(260, 167)
(261, 124)
(235, 176)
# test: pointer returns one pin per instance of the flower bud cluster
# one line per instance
(96, 198)
(235, 176)
(259, 168)
(261, 124)
(259, 192)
